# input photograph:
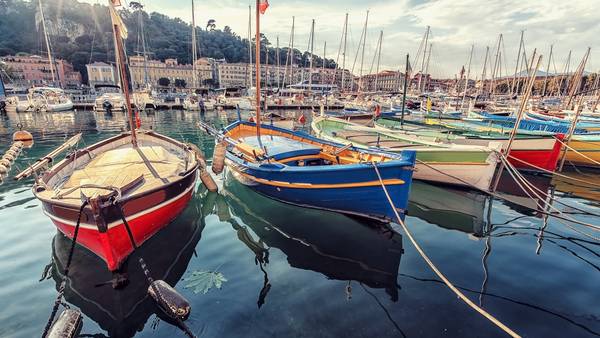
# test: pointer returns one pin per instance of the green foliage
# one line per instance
(203, 281)
(81, 33)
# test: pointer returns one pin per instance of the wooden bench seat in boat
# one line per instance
(118, 168)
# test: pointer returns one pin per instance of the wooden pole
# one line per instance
(405, 90)
(570, 133)
(547, 71)
(121, 63)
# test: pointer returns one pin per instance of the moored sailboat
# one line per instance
(117, 193)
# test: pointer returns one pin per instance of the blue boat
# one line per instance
(354, 113)
(300, 169)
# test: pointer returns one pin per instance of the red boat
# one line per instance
(112, 196)
(526, 153)
(148, 185)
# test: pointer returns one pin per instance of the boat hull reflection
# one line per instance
(123, 312)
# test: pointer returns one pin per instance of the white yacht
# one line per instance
(109, 98)
(41, 99)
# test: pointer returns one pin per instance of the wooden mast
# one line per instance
(123, 72)
(257, 57)
(344, 54)
(467, 78)
(194, 51)
(547, 71)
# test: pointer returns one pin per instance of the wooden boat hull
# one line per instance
(103, 231)
(542, 152)
(461, 167)
(349, 188)
(589, 148)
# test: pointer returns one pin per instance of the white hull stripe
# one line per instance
(115, 223)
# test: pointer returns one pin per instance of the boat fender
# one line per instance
(3, 169)
(208, 181)
(23, 136)
(219, 158)
(5, 163)
(68, 325)
(170, 301)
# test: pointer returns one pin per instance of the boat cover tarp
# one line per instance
(279, 147)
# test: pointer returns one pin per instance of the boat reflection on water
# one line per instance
(337, 246)
(449, 208)
(123, 312)
(579, 189)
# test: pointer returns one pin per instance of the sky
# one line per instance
(456, 25)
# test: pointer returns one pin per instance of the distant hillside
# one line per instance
(80, 33)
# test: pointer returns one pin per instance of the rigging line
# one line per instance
(435, 269)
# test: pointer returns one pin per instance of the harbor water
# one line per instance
(254, 267)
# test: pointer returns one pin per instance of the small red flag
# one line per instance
(263, 5)
(377, 111)
(252, 119)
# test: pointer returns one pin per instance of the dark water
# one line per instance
(304, 273)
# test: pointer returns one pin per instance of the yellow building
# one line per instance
(100, 73)
(150, 71)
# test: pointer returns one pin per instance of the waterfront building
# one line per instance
(100, 73)
(145, 72)
(386, 81)
(34, 70)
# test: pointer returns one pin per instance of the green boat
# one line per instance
(462, 165)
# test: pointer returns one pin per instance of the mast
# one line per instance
(278, 62)
(564, 75)
(116, 24)
(494, 70)
(312, 48)
(405, 90)
(512, 86)
(344, 52)
(249, 46)
(484, 70)
(258, 70)
(424, 42)
(292, 55)
(467, 78)
(547, 72)
(50, 61)
(362, 58)
(427, 67)
(378, 60)
(323, 66)
(576, 83)
(141, 18)
(194, 51)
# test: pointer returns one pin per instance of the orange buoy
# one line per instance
(24, 137)
(219, 158)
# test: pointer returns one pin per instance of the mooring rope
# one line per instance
(436, 270)
(508, 200)
(63, 284)
(578, 153)
(554, 172)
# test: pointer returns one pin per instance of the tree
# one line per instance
(211, 25)
(180, 83)
(164, 82)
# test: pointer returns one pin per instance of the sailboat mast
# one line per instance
(378, 61)
(257, 60)
(47, 42)
(467, 78)
(323, 64)
(547, 71)
(194, 51)
(344, 53)
(146, 78)
(312, 47)
(292, 55)
(484, 70)
(278, 62)
(123, 72)
(494, 71)
(249, 81)
(362, 58)
(427, 67)
(514, 80)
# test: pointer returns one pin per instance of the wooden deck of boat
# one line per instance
(120, 167)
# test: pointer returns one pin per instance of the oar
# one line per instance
(41, 162)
